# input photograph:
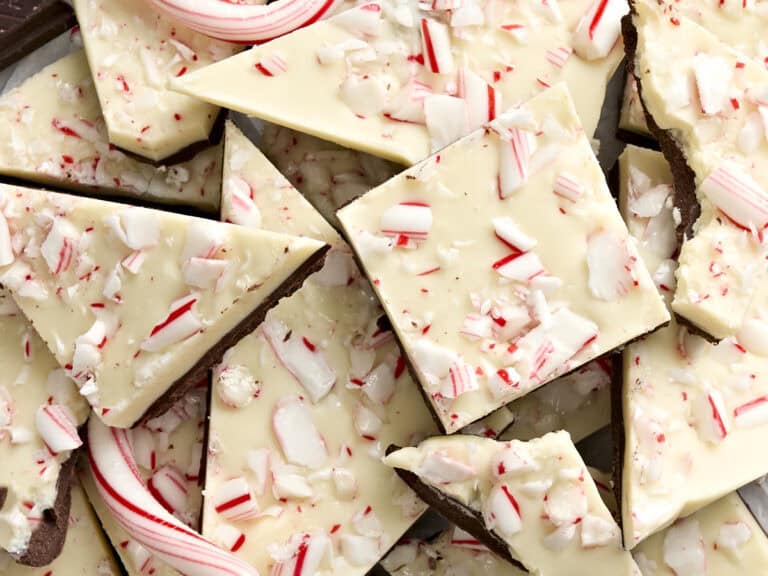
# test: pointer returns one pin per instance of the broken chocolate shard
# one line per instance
(25, 25)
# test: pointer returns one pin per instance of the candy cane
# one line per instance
(146, 521)
(245, 23)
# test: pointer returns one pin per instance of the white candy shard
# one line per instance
(509, 233)
(258, 463)
(303, 359)
(597, 531)
(365, 95)
(733, 535)
(738, 196)
(753, 335)
(545, 350)
(436, 43)
(180, 323)
(482, 100)
(297, 435)
(566, 186)
(408, 104)
(503, 382)
(345, 483)
(515, 160)
(514, 459)
(560, 538)
(236, 386)
(441, 468)
(233, 500)
(60, 246)
(291, 487)
(446, 119)
(363, 21)
(502, 511)
(379, 386)
(412, 219)
(432, 359)
(610, 266)
(360, 550)
(245, 211)
(520, 267)
(713, 81)
(710, 416)
(169, 487)
(57, 427)
(566, 503)
(684, 549)
(599, 29)
(367, 422)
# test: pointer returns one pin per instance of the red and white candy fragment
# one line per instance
(684, 550)
(244, 211)
(272, 65)
(482, 100)
(520, 267)
(303, 359)
(436, 43)
(752, 413)
(568, 187)
(510, 234)
(566, 503)
(599, 29)
(709, 413)
(409, 219)
(245, 23)
(305, 554)
(233, 500)
(180, 323)
(713, 81)
(611, 266)
(408, 104)
(515, 161)
(297, 435)
(59, 249)
(57, 428)
(501, 511)
(169, 487)
(441, 468)
(737, 195)
(143, 518)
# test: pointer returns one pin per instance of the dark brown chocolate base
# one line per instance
(198, 372)
(189, 151)
(684, 177)
(110, 196)
(617, 430)
(25, 25)
(454, 511)
(48, 538)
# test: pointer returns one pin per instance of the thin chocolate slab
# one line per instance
(28, 24)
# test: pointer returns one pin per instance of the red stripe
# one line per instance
(428, 45)
(598, 16)
(228, 505)
(174, 315)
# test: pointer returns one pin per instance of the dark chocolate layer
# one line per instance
(198, 372)
(454, 511)
(25, 25)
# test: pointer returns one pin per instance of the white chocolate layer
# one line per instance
(30, 378)
(86, 551)
(692, 410)
(738, 24)
(714, 100)
(172, 442)
(56, 136)
(83, 270)
(133, 52)
(376, 71)
(323, 374)
(537, 496)
(481, 322)
(723, 539)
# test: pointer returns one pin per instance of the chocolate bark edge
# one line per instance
(617, 433)
(48, 538)
(684, 177)
(190, 150)
(196, 373)
(25, 25)
(454, 511)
